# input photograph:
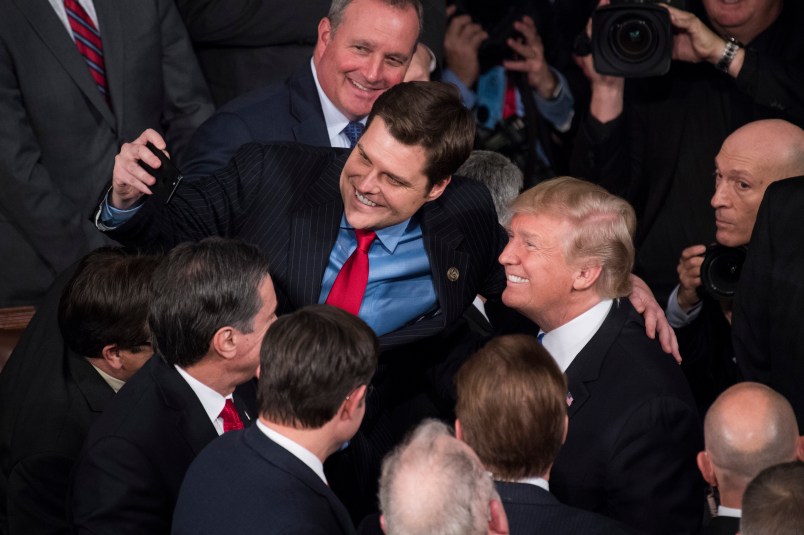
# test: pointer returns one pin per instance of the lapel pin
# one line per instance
(453, 274)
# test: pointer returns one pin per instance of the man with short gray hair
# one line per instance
(434, 483)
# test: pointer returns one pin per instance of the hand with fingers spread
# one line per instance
(689, 276)
(462, 41)
(130, 181)
(532, 63)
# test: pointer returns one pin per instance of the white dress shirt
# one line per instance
(295, 449)
(729, 511)
(61, 12)
(212, 401)
(565, 342)
(336, 121)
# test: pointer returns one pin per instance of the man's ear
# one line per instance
(111, 354)
(224, 342)
(707, 468)
(350, 405)
(800, 449)
(324, 36)
(498, 522)
(458, 430)
(438, 189)
(566, 429)
(586, 277)
(382, 524)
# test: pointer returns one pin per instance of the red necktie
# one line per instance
(88, 41)
(231, 420)
(350, 284)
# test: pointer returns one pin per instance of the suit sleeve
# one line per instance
(114, 491)
(654, 462)
(187, 101)
(36, 500)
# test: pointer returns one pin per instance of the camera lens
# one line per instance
(720, 271)
(633, 39)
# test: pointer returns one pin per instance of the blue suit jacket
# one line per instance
(286, 111)
(531, 509)
(244, 482)
(633, 432)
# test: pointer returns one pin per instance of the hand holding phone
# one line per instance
(168, 177)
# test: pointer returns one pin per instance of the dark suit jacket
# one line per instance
(128, 475)
(633, 433)
(533, 510)
(285, 111)
(722, 525)
(769, 301)
(59, 135)
(261, 487)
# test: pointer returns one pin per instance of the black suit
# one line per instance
(769, 301)
(533, 510)
(261, 487)
(128, 475)
(722, 525)
(633, 432)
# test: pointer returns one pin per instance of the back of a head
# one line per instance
(430, 115)
(433, 484)
(199, 288)
(748, 428)
(512, 407)
(106, 302)
(773, 503)
(500, 175)
(603, 227)
(310, 361)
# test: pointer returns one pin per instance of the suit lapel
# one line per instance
(314, 229)
(185, 408)
(113, 36)
(305, 107)
(52, 32)
(585, 368)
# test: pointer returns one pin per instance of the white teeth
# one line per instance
(364, 200)
(514, 278)
(360, 87)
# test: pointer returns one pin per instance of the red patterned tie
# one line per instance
(350, 284)
(231, 420)
(88, 41)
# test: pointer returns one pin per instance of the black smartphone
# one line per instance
(168, 177)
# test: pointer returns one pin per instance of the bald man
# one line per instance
(750, 159)
(747, 429)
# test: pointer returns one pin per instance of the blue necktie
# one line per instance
(540, 337)
(353, 131)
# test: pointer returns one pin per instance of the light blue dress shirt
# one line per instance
(400, 285)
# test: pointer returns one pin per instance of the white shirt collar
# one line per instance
(538, 481)
(729, 511)
(336, 121)
(565, 342)
(295, 449)
(113, 382)
(212, 401)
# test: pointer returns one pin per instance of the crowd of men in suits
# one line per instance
(332, 201)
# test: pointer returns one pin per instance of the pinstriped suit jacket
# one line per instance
(285, 199)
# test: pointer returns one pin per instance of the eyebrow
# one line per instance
(402, 180)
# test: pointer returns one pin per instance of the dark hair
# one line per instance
(199, 288)
(772, 502)
(310, 361)
(430, 115)
(337, 10)
(512, 400)
(106, 302)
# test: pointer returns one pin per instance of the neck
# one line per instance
(316, 441)
(209, 372)
(577, 303)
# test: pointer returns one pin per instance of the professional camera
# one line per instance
(721, 270)
(633, 38)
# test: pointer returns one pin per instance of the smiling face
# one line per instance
(743, 19)
(539, 279)
(367, 54)
(383, 181)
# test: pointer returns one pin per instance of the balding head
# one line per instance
(748, 428)
(751, 158)
(434, 483)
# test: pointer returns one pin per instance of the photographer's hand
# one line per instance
(695, 42)
(462, 40)
(533, 64)
(689, 276)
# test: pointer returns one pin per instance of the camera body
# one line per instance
(721, 270)
(633, 38)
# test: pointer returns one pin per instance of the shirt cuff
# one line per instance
(467, 95)
(676, 317)
(560, 110)
(110, 218)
